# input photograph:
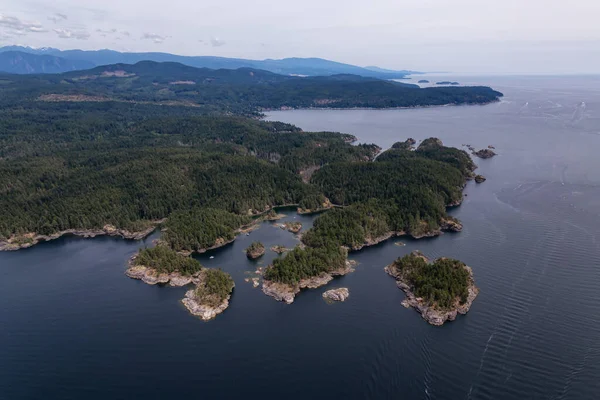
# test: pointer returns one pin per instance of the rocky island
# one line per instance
(211, 295)
(340, 294)
(293, 227)
(255, 250)
(438, 290)
(307, 268)
(480, 178)
(484, 153)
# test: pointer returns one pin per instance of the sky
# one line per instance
(460, 36)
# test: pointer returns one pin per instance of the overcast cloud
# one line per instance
(505, 36)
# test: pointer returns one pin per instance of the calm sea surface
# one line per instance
(72, 326)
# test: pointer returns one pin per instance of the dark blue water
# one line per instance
(72, 326)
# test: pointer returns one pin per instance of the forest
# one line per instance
(304, 263)
(242, 91)
(402, 191)
(166, 260)
(131, 146)
(201, 228)
(214, 287)
(440, 283)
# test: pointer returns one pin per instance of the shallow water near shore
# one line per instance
(73, 326)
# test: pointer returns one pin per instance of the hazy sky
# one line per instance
(507, 36)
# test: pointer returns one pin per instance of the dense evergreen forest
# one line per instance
(131, 145)
(402, 191)
(304, 263)
(350, 226)
(164, 259)
(198, 229)
(77, 171)
(214, 287)
(239, 91)
(440, 283)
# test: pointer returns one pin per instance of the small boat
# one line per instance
(247, 234)
(211, 257)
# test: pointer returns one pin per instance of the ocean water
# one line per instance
(72, 326)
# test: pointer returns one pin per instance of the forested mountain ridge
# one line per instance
(241, 91)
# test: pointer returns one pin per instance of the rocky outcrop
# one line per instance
(429, 312)
(30, 239)
(484, 153)
(256, 250)
(197, 307)
(293, 227)
(340, 294)
(287, 293)
(450, 225)
(279, 249)
(152, 277)
(203, 301)
(480, 179)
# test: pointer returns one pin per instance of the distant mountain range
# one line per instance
(17, 62)
(27, 60)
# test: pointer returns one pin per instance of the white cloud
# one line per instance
(17, 26)
(216, 42)
(57, 17)
(156, 38)
(69, 34)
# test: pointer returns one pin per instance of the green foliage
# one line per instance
(214, 287)
(163, 259)
(349, 226)
(305, 263)
(198, 229)
(242, 91)
(255, 247)
(440, 283)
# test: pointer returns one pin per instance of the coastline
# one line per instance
(14, 243)
(151, 276)
(446, 225)
(286, 108)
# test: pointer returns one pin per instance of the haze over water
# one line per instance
(73, 326)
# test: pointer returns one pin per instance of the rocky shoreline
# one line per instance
(204, 311)
(205, 306)
(446, 225)
(429, 312)
(151, 276)
(31, 239)
(287, 293)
